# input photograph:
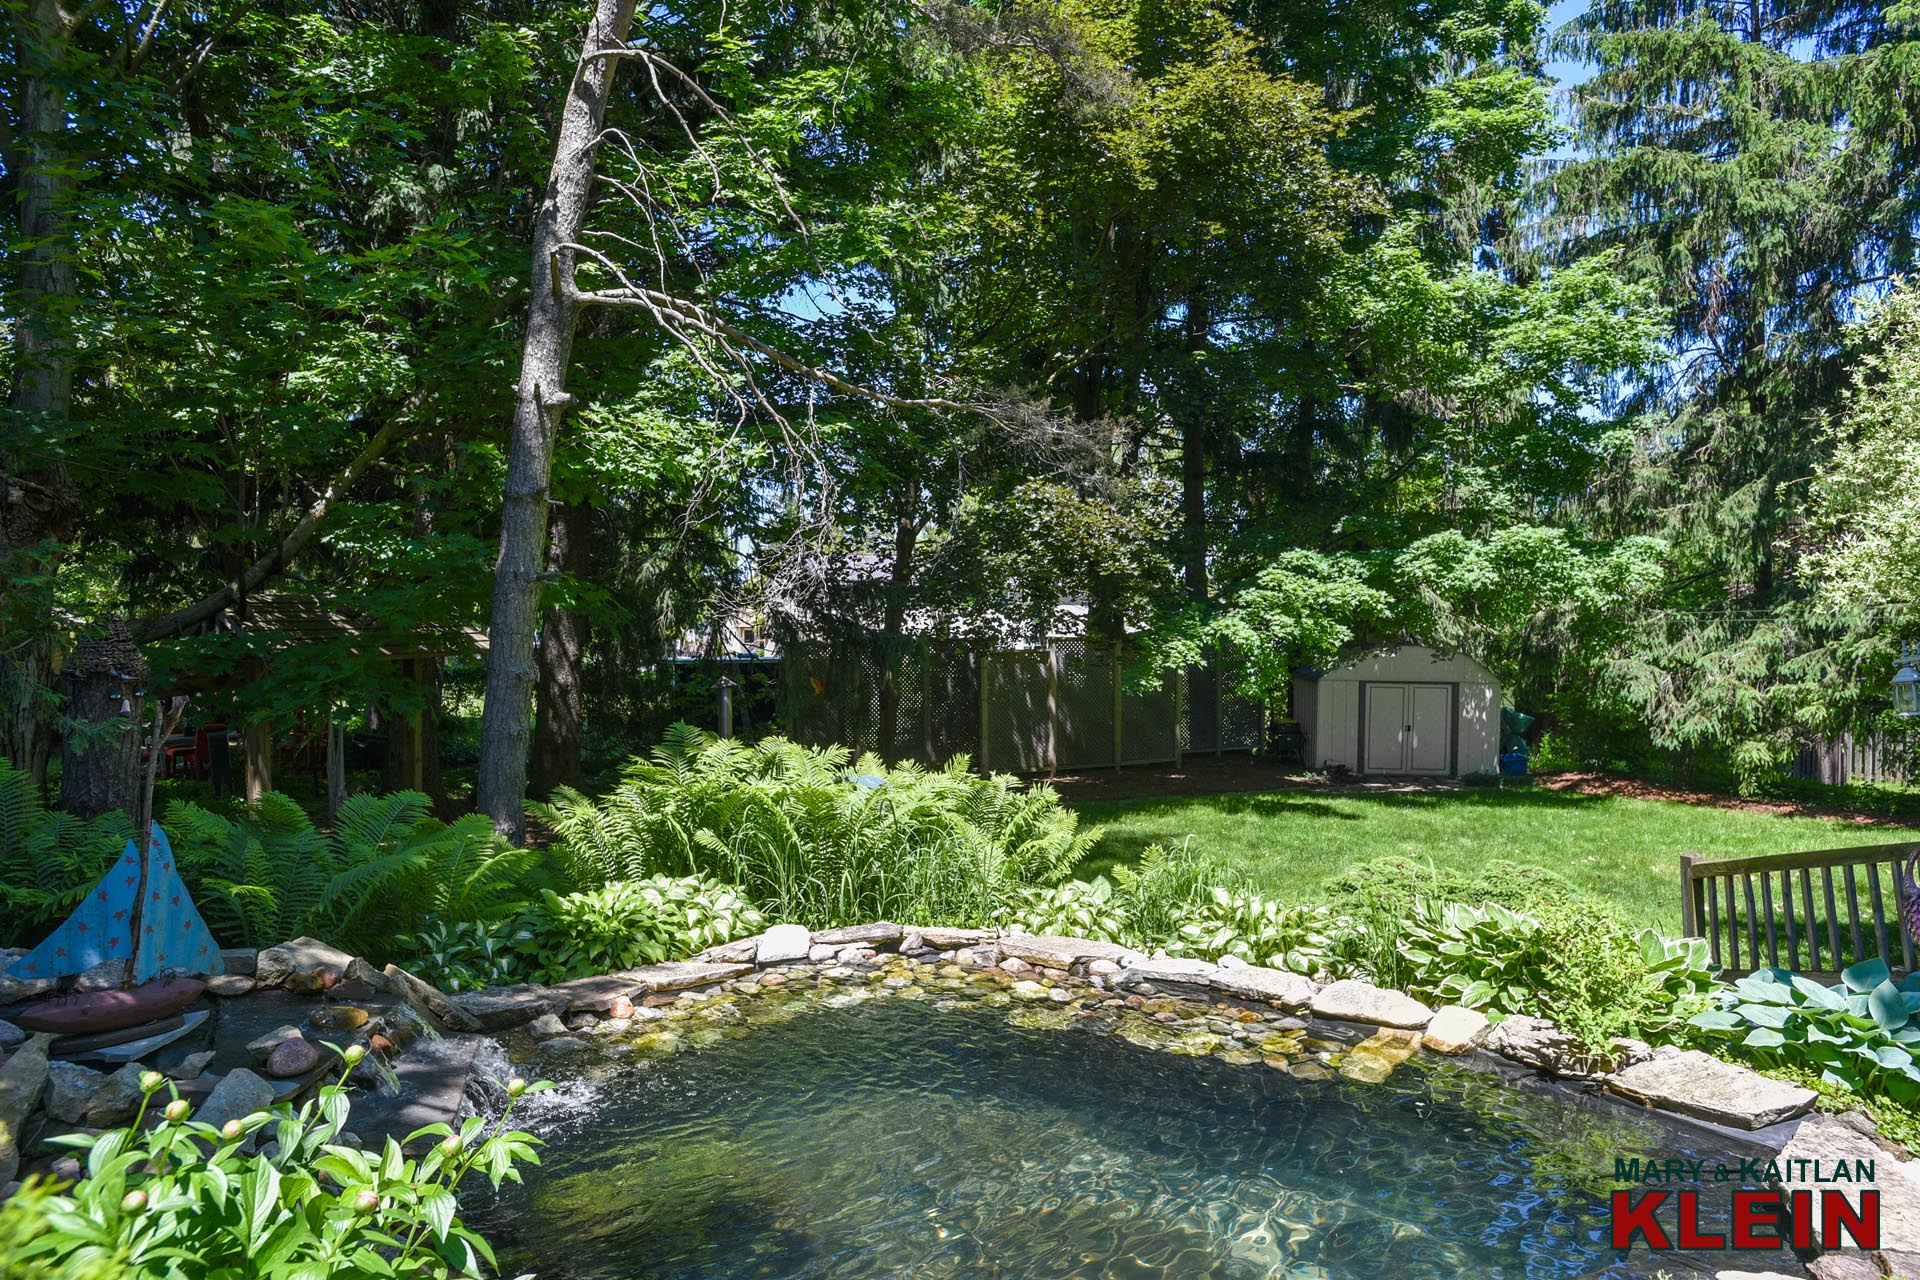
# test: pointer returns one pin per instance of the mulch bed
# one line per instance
(1606, 784)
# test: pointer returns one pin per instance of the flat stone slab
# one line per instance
(1168, 969)
(1698, 1084)
(1351, 1000)
(1834, 1143)
(739, 951)
(597, 994)
(503, 1008)
(675, 975)
(1455, 1029)
(1272, 986)
(955, 939)
(783, 944)
(1063, 953)
(881, 933)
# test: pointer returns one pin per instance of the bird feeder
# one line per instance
(1906, 687)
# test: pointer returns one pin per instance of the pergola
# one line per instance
(286, 627)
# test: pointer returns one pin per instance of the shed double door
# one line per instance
(1409, 728)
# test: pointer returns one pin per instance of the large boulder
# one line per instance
(108, 975)
(23, 1082)
(1270, 986)
(428, 1000)
(1351, 1000)
(239, 1094)
(1454, 1029)
(117, 1099)
(273, 966)
(1698, 1084)
(70, 1088)
(783, 943)
(1824, 1142)
(504, 1008)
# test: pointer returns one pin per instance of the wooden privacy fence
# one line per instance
(1817, 912)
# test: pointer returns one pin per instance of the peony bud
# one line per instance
(150, 1081)
(451, 1145)
(516, 1087)
(354, 1053)
(134, 1202)
(366, 1202)
(177, 1110)
(230, 1130)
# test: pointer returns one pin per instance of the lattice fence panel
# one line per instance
(1200, 716)
(1149, 724)
(1083, 705)
(1018, 728)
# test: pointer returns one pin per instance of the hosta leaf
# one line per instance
(1766, 1015)
(1764, 1038)
(1866, 975)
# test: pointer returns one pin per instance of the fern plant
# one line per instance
(48, 859)
(267, 874)
(816, 837)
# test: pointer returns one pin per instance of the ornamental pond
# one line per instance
(919, 1120)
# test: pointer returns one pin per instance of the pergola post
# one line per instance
(257, 742)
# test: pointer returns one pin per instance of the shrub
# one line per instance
(1398, 883)
(815, 838)
(1575, 964)
(184, 1201)
(48, 859)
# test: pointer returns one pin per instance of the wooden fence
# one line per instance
(1801, 911)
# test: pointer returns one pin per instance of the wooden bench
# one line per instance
(1800, 911)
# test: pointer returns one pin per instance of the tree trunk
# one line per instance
(563, 643)
(906, 532)
(42, 506)
(100, 756)
(539, 400)
(1193, 449)
(413, 739)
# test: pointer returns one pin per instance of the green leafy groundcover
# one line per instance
(186, 1201)
(1859, 1034)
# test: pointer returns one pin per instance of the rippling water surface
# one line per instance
(890, 1139)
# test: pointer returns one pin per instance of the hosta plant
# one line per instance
(617, 926)
(1859, 1034)
(700, 912)
(1258, 930)
(183, 1200)
(1484, 957)
(463, 955)
(1077, 909)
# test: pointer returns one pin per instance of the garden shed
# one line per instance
(1406, 709)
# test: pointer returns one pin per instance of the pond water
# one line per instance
(891, 1139)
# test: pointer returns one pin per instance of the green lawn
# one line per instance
(1627, 850)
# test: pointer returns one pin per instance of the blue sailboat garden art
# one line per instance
(140, 909)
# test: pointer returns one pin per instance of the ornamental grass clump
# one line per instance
(814, 837)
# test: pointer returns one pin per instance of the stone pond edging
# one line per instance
(1248, 1002)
